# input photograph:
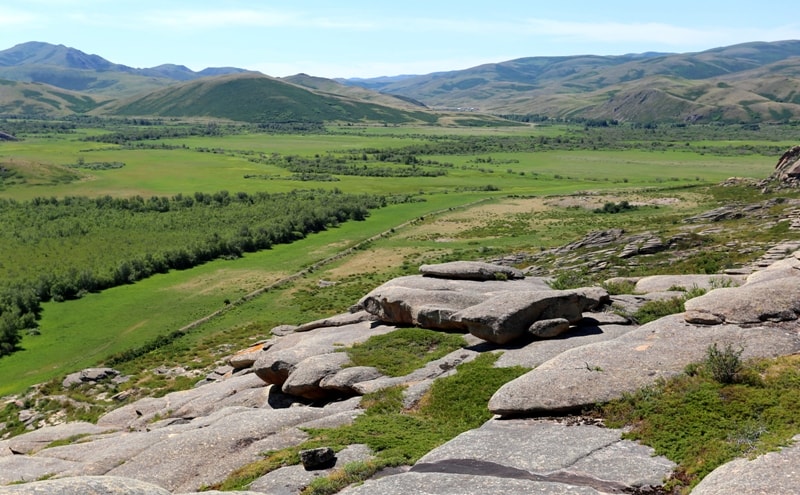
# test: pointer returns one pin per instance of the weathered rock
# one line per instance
(304, 380)
(753, 303)
(23, 468)
(593, 240)
(506, 317)
(344, 379)
(319, 458)
(471, 270)
(472, 483)
(547, 329)
(788, 166)
(602, 371)
(246, 357)
(427, 309)
(36, 440)
(283, 330)
(336, 321)
(775, 472)
(275, 364)
(207, 449)
(86, 485)
(89, 375)
(789, 267)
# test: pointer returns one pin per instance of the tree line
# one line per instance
(60, 249)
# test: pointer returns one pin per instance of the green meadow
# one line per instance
(89, 330)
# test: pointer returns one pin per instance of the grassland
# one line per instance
(515, 213)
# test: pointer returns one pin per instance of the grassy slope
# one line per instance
(258, 98)
(41, 99)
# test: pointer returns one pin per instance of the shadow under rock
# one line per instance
(586, 327)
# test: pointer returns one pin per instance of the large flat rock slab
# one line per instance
(463, 484)
(206, 455)
(529, 456)
(776, 472)
(602, 371)
(86, 485)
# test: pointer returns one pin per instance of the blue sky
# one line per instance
(355, 38)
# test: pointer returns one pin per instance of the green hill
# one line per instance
(35, 99)
(258, 98)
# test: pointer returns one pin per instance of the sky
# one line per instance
(356, 38)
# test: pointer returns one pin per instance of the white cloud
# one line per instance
(204, 19)
(17, 18)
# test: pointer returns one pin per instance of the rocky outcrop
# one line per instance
(788, 166)
(90, 375)
(276, 389)
(599, 372)
(496, 311)
(753, 303)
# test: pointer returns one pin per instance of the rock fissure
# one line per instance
(475, 467)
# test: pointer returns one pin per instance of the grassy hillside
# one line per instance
(19, 98)
(737, 83)
(258, 98)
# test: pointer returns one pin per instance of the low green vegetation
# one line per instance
(398, 436)
(404, 350)
(653, 310)
(718, 410)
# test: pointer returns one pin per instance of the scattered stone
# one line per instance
(89, 375)
(319, 458)
(547, 329)
(291, 480)
(471, 270)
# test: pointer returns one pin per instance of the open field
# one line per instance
(515, 214)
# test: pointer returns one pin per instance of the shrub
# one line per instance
(724, 364)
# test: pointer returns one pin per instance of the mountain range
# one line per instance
(751, 82)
